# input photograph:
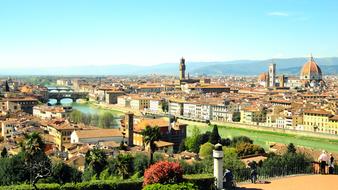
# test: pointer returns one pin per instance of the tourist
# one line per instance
(253, 171)
(228, 180)
(331, 164)
(323, 160)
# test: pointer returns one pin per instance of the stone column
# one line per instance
(218, 165)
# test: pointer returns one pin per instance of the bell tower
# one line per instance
(182, 69)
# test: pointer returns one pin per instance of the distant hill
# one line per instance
(240, 67)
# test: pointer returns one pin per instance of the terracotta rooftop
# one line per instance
(98, 133)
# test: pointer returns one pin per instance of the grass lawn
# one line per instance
(263, 138)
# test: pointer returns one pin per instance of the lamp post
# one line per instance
(218, 165)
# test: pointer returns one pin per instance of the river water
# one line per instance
(88, 108)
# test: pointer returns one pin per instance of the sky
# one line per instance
(66, 33)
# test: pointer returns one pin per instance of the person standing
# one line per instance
(331, 164)
(323, 160)
(253, 171)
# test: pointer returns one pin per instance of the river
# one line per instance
(89, 108)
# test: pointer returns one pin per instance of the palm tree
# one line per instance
(150, 135)
(32, 145)
(96, 159)
(124, 165)
(36, 160)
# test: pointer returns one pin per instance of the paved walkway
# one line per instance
(309, 182)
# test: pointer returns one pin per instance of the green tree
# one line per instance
(150, 135)
(4, 152)
(96, 160)
(231, 160)
(244, 149)
(141, 163)
(240, 139)
(236, 117)
(36, 160)
(214, 136)
(62, 173)
(164, 106)
(291, 148)
(192, 142)
(124, 165)
(206, 150)
(106, 120)
(13, 170)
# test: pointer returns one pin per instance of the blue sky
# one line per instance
(44, 33)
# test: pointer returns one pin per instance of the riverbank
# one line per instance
(92, 107)
(265, 138)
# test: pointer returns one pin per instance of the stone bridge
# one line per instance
(59, 95)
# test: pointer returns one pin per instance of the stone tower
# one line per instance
(182, 69)
(129, 119)
(272, 75)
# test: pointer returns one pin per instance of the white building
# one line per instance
(94, 136)
(7, 128)
(176, 108)
(46, 112)
(155, 106)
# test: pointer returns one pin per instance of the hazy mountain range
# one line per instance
(290, 66)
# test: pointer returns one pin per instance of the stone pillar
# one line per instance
(58, 102)
(218, 165)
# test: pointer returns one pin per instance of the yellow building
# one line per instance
(316, 120)
(333, 125)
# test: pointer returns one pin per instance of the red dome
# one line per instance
(311, 71)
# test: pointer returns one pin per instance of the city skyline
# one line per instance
(66, 34)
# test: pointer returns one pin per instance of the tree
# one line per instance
(141, 163)
(13, 170)
(231, 160)
(240, 139)
(206, 150)
(106, 120)
(124, 165)
(236, 117)
(7, 89)
(225, 142)
(182, 146)
(96, 160)
(4, 152)
(164, 173)
(214, 136)
(165, 106)
(291, 148)
(244, 149)
(36, 160)
(62, 173)
(192, 142)
(150, 135)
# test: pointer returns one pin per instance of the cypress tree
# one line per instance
(214, 136)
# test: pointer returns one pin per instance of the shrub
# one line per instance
(201, 181)
(163, 172)
(104, 185)
(244, 149)
(241, 139)
(181, 186)
(206, 150)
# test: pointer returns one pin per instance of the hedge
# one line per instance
(201, 181)
(181, 186)
(97, 185)
(198, 181)
(51, 186)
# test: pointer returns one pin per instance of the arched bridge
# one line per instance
(59, 95)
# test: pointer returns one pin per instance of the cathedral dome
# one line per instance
(311, 71)
(262, 77)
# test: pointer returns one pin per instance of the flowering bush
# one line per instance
(163, 172)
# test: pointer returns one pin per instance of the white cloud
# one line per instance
(277, 13)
